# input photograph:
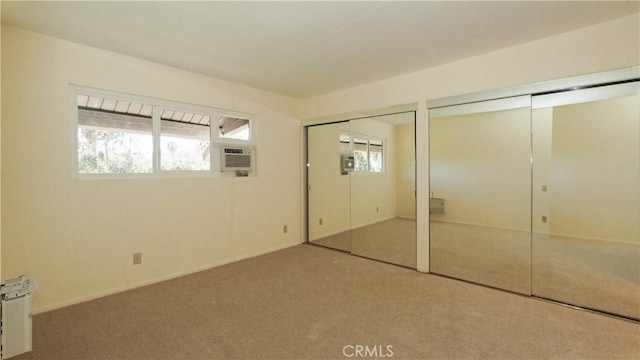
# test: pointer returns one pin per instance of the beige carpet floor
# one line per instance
(309, 302)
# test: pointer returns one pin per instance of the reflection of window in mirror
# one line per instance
(367, 153)
(360, 155)
(345, 144)
(234, 128)
(375, 156)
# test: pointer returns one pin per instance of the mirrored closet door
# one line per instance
(383, 216)
(361, 195)
(480, 187)
(540, 195)
(328, 181)
(586, 198)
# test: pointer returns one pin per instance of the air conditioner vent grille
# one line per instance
(233, 151)
(237, 159)
(242, 161)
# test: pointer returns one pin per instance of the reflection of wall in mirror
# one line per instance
(594, 188)
(329, 190)
(586, 169)
(406, 171)
(359, 199)
(373, 195)
(480, 164)
(541, 126)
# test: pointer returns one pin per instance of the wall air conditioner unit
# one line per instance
(236, 158)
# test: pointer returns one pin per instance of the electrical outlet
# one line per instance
(377, 209)
(544, 219)
(285, 229)
(137, 258)
(544, 188)
(320, 222)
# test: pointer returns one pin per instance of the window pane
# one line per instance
(360, 155)
(361, 163)
(184, 146)
(109, 104)
(134, 108)
(360, 145)
(187, 117)
(146, 110)
(110, 143)
(345, 144)
(83, 100)
(234, 128)
(94, 102)
(204, 120)
(177, 116)
(122, 106)
(375, 156)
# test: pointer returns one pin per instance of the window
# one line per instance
(233, 128)
(185, 141)
(367, 152)
(123, 134)
(114, 136)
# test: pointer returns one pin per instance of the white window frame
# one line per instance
(159, 104)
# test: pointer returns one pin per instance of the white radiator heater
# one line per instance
(16, 316)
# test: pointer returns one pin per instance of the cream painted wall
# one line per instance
(406, 173)
(77, 237)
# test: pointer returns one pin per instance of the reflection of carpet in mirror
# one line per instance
(340, 241)
(599, 274)
(392, 241)
(486, 255)
(603, 275)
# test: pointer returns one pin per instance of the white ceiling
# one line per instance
(302, 49)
